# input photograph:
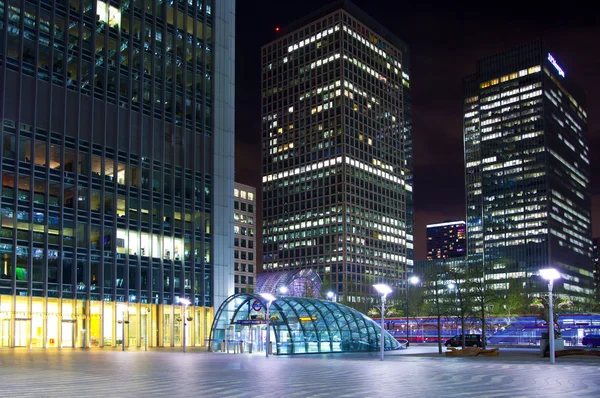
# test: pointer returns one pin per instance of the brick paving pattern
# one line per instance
(407, 373)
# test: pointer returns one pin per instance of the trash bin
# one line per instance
(270, 348)
(241, 346)
(250, 348)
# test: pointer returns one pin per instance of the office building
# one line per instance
(335, 121)
(244, 239)
(446, 240)
(528, 169)
(117, 171)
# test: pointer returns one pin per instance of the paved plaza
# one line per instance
(418, 372)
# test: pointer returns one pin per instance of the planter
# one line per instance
(559, 344)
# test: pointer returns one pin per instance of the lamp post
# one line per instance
(384, 290)
(550, 274)
(270, 298)
(123, 322)
(185, 303)
(414, 280)
(452, 286)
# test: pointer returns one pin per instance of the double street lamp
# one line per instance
(185, 303)
(384, 290)
(270, 298)
(412, 280)
(550, 274)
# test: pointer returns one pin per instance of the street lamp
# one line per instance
(414, 280)
(270, 298)
(452, 286)
(331, 296)
(185, 303)
(123, 322)
(384, 290)
(550, 274)
(284, 290)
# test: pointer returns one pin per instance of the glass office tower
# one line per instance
(527, 169)
(336, 120)
(117, 170)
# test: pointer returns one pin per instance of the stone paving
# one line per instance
(418, 371)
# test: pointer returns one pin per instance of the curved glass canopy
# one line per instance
(297, 326)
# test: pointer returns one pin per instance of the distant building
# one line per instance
(446, 240)
(528, 169)
(244, 240)
(336, 152)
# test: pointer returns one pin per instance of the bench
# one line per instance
(472, 352)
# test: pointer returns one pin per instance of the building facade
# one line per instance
(244, 254)
(335, 122)
(117, 170)
(527, 169)
(446, 240)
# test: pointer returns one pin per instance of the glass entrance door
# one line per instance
(68, 333)
(22, 332)
(5, 333)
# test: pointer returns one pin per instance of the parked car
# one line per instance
(471, 340)
(591, 340)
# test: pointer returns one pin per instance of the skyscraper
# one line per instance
(446, 240)
(336, 163)
(527, 169)
(117, 170)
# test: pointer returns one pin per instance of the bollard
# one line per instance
(241, 346)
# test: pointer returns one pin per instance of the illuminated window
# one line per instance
(107, 12)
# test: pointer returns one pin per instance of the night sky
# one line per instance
(445, 41)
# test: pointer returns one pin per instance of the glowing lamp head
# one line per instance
(277, 29)
(184, 301)
(268, 296)
(549, 274)
(383, 289)
(414, 280)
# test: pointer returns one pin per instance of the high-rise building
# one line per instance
(336, 132)
(527, 169)
(244, 238)
(446, 240)
(117, 170)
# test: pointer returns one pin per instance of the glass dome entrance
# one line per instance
(296, 326)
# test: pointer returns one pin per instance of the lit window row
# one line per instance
(243, 194)
(313, 38)
(367, 43)
(511, 76)
(321, 62)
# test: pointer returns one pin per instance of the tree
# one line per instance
(458, 276)
(433, 303)
(482, 294)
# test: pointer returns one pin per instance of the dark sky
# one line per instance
(445, 40)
